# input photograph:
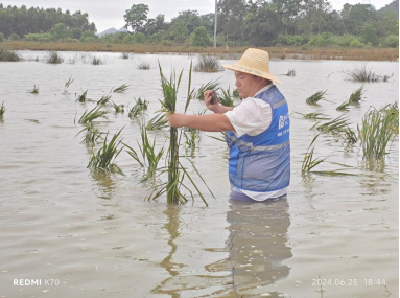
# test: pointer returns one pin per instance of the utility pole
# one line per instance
(215, 26)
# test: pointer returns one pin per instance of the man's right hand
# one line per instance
(207, 101)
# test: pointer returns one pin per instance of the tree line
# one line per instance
(240, 23)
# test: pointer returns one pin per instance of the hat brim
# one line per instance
(263, 74)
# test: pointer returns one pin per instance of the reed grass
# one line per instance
(315, 116)
(226, 98)
(104, 100)
(96, 61)
(9, 55)
(344, 106)
(82, 97)
(308, 161)
(67, 84)
(192, 137)
(157, 122)
(121, 88)
(53, 57)
(291, 73)
(207, 63)
(124, 55)
(355, 97)
(139, 107)
(377, 130)
(349, 136)
(143, 65)
(118, 108)
(317, 96)
(211, 85)
(104, 160)
(95, 113)
(2, 110)
(35, 90)
(365, 75)
(335, 126)
(91, 134)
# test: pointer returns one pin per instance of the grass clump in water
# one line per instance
(35, 90)
(121, 89)
(82, 97)
(211, 85)
(124, 55)
(317, 96)
(93, 114)
(96, 61)
(355, 97)
(315, 116)
(118, 108)
(2, 110)
(105, 157)
(364, 75)
(335, 126)
(139, 107)
(92, 134)
(54, 58)
(67, 84)
(143, 65)
(207, 63)
(104, 100)
(308, 161)
(291, 73)
(8, 55)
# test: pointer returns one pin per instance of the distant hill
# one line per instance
(392, 7)
(111, 31)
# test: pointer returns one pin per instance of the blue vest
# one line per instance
(262, 163)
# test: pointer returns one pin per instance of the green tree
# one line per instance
(200, 37)
(179, 31)
(136, 17)
(369, 34)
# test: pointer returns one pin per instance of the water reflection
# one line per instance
(257, 245)
(106, 183)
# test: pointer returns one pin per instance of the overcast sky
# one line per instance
(107, 14)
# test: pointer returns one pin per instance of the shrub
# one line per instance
(1, 37)
(200, 37)
(129, 39)
(166, 43)
(8, 56)
(140, 38)
(207, 63)
(356, 44)
(13, 37)
(54, 58)
(391, 41)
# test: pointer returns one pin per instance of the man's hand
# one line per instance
(207, 101)
(176, 120)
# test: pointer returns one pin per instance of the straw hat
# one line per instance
(254, 61)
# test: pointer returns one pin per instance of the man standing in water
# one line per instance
(257, 130)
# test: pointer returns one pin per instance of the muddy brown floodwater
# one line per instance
(66, 233)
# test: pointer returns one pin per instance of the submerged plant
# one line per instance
(35, 90)
(317, 96)
(82, 97)
(207, 63)
(157, 122)
(316, 116)
(143, 65)
(2, 110)
(89, 116)
(364, 75)
(54, 58)
(335, 126)
(138, 108)
(124, 55)
(343, 106)
(104, 100)
(291, 73)
(105, 157)
(8, 55)
(211, 85)
(67, 84)
(96, 61)
(355, 97)
(118, 108)
(92, 134)
(121, 88)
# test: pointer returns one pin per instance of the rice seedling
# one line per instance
(392, 112)
(191, 138)
(291, 73)
(207, 63)
(9, 55)
(143, 65)
(35, 90)
(33, 120)
(104, 100)
(365, 75)
(315, 116)
(211, 85)
(222, 138)
(96, 61)
(138, 108)
(235, 93)
(157, 122)
(82, 97)
(53, 57)
(334, 126)
(67, 84)
(349, 136)
(375, 132)
(104, 160)
(355, 97)
(317, 96)
(95, 113)
(92, 134)
(2, 110)
(118, 108)
(124, 55)
(344, 106)
(121, 88)
(308, 161)
(226, 98)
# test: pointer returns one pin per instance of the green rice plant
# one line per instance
(104, 100)
(92, 134)
(143, 65)
(222, 138)
(118, 108)
(121, 88)
(96, 61)
(82, 97)
(235, 93)
(211, 85)
(138, 108)
(95, 113)
(2, 110)
(157, 122)
(67, 84)
(335, 126)
(315, 116)
(392, 113)
(355, 97)
(317, 96)
(33, 120)
(9, 55)
(105, 157)
(291, 73)
(350, 136)
(35, 90)
(53, 57)
(308, 161)
(226, 98)
(344, 106)
(191, 138)
(364, 75)
(207, 63)
(375, 132)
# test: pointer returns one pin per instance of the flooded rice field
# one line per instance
(67, 233)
